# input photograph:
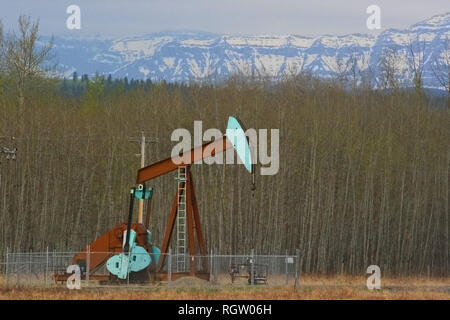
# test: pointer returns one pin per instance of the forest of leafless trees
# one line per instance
(363, 179)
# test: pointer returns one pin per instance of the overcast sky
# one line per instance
(252, 17)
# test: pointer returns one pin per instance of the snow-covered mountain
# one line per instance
(187, 56)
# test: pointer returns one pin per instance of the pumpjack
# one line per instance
(128, 250)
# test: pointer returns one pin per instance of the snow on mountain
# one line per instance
(187, 56)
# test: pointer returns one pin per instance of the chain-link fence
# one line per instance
(51, 268)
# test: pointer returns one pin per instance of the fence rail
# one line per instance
(40, 268)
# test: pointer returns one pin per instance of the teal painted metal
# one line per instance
(156, 254)
(118, 265)
(136, 260)
(140, 259)
(156, 251)
(236, 135)
(144, 193)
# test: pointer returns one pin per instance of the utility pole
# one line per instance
(141, 201)
(142, 142)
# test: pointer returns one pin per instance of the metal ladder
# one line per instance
(181, 221)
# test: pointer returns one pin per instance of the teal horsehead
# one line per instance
(236, 135)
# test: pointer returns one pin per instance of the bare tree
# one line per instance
(1, 36)
(441, 68)
(22, 59)
(416, 53)
(359, 70)
(389, 69)
(1, 49)
(340, 66)
(353, 69)
(367, 78)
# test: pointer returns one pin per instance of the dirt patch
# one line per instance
(190, 282)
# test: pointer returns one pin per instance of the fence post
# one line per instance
(252, 268)
(286, 267)
(29, 266)
(169, 267)
(297, 266)
(46, 267)
(211, 266)
(88, 262)
(7, 264)
(17, 263)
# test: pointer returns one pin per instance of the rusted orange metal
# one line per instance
(190, 226)
(168, 232)
(168, 165)
(198, 227)
(108, 245)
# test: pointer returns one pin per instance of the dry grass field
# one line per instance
(311, 287)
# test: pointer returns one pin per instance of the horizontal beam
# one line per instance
(186, 159)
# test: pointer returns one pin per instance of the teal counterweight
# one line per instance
(136, 260)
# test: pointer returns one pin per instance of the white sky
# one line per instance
(135, 17)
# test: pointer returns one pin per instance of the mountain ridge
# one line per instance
(181, 56)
